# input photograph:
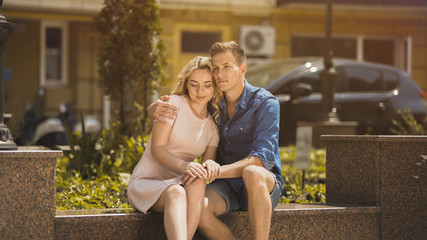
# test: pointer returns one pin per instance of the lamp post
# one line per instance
(6, 139)
(328, 75)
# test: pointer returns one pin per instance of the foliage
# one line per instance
(105, 153)
(73, 192)
(409, 125)
(131, 60)
(109, 191)
(314, 189)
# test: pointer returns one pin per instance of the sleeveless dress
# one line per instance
(188, 140)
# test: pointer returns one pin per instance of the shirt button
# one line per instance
(226, 128)
(229, 142)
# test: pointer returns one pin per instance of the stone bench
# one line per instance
(289, 221)
(376, 189)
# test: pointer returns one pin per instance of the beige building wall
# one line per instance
(22, 54)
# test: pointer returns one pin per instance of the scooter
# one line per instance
(50, 131)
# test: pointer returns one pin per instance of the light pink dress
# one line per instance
(188, 140)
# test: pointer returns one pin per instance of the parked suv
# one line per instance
(368, 93)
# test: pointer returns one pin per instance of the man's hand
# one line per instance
(213, 169)
(161, 110)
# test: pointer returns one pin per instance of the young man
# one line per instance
(249, 177)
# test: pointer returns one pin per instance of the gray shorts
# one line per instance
(238, 200)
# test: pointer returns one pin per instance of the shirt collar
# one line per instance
(243, 102)
(244, 99)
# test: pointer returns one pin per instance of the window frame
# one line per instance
(402, 47)
(63, 81)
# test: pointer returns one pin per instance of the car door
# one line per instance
(299, 109)
(365, 98)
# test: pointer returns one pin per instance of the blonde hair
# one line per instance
(180, 88)
(232, 47)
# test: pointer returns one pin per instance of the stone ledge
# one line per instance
(289, 221)
(374, 138)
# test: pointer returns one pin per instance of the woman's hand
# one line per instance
(213, 169)
(192, 171)
(195, 170)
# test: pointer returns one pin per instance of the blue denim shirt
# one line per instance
(252, 131)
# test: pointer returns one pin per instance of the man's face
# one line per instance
(226, 71)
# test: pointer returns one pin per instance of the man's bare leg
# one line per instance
(259, 183)
(210, 226)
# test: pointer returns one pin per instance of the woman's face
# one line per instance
(200, 86)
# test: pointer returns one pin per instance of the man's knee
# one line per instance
(255, 177)
(253, 174)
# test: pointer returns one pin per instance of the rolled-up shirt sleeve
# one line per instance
(266, 135)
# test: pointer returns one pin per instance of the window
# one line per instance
(391, 80)
(312, 79)
(198, 42)
(54, 53)
(385, 50)
(303, 46)
(363, 79)
(378, 50)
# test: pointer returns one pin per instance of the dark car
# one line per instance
(368, 93)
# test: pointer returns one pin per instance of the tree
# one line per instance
(131, 60)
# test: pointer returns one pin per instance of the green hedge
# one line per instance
(75, 192)
(95, 173)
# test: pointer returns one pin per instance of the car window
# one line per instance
(363, 79)
(391, 80)
(264, 74)
(313, 79)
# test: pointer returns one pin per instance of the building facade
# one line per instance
(55, 44)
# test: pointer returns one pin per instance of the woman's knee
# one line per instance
(197, 183)
(175, 192)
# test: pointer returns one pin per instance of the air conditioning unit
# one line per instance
(258, 41)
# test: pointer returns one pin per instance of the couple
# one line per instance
(239, 130)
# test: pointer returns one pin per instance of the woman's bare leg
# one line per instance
(195, 198)
(173, 202)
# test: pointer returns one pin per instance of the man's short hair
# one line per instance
(232, 47)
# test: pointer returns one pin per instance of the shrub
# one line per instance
(105, 153)
(314, 189)
(106, 187)
(408, 124)
(74, 192)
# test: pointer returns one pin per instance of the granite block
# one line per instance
(352, 172)
(393, 172)
(27, 202)
(329, 128)
(289, 221)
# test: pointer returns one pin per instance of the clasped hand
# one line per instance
(209, 170)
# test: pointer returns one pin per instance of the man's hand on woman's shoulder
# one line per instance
(161, 109)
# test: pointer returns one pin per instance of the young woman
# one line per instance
(167, 179)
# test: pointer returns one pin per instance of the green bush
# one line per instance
(109, 191)
(93, 173)
(104, 153)
(408, 125)
(74, 192)
(314, 189)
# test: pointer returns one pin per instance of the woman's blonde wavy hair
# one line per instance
(180, 88)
